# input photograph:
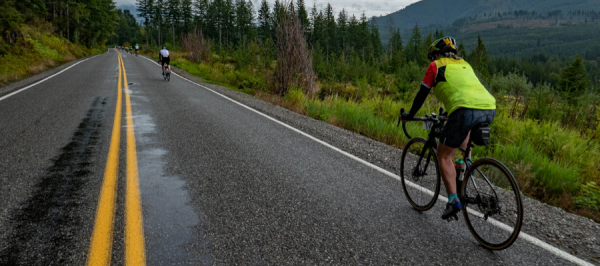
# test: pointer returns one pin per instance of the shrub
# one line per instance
(196, 46)
(589, 196)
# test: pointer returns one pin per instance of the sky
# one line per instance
(356, 7)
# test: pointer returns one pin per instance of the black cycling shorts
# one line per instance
(460, 122)
(166, 60)
(136, 50)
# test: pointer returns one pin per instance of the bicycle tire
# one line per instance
(492, 191)
(169, 76)
(420, 188)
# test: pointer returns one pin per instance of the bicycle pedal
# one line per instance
(452, 218)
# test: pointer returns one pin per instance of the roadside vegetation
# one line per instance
(37, 35)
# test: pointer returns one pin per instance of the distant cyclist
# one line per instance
(468, 104)
(137, 48)
(163, 58)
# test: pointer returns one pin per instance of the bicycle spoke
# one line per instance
(493, 195)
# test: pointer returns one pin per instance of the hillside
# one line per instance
(34, 39)
(440, 12)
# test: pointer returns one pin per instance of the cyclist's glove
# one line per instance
(419, 100)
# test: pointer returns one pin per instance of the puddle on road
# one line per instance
(169, 217)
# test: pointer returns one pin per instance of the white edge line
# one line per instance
(37, 83)
(531, 239)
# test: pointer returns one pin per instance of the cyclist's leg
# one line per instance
(445, 155)
(455, 134)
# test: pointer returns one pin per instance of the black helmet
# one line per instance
(164, 47)
(442, 46)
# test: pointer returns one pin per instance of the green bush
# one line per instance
(589, 196)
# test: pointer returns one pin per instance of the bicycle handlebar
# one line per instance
(433, 117)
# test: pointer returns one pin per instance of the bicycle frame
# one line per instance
(432, 142)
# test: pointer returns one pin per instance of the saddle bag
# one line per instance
(480, 135)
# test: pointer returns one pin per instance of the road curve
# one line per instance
(219, 184)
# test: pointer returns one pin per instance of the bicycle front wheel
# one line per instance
(420, 174)
(492, 205)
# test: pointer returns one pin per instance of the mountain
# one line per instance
(444, 12)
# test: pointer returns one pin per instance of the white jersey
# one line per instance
(164, 53)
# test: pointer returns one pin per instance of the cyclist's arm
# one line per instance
(419, 100)
(159, 55)
(426, 85)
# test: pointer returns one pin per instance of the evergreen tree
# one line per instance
(215, 20)
(461, 50)
(302, 14)
(330, 29)
(144, 9)
(158, 20)
(200, 8)
(396, 40)
(245, 17)
(277, 12)
(376, 40)
(364, 37)
(573, 79)
(172, 13)
(316, 26)
(342, 26)
(264, 20)
(425, 50)
(186, 15)
(353, 31)
(479, 58)
(229, 21)
(413, 47)
(397, 59)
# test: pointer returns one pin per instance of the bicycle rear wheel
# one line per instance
(492, 205)
(169, 75)
(420, 174)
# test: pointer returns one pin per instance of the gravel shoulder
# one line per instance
(569, 232)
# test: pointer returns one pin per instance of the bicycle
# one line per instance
(167, 74)
(489, 193)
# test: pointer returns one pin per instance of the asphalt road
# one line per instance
(219, 183)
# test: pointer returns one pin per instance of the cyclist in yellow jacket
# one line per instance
(455, 84)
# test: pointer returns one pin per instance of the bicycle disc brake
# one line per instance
(417, 174)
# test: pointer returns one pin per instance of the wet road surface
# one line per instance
(218, 183)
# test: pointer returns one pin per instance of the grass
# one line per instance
(549, 162)
(38, 50)
(552, 163)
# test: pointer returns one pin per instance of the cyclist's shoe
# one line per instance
(451, 210)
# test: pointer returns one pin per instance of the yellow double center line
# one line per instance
(100, 251)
